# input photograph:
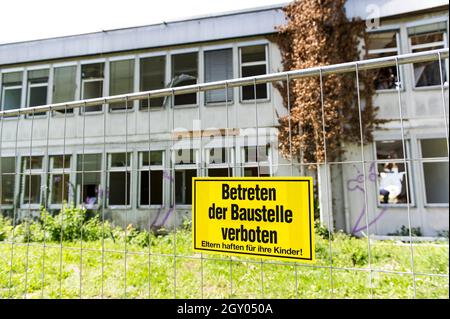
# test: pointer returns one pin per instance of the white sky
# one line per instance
(24, 20)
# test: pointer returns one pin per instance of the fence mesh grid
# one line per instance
(144, 251)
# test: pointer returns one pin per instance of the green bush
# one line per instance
(5, 227)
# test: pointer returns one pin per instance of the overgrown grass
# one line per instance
(131, 264)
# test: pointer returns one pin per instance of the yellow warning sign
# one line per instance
(269, 217)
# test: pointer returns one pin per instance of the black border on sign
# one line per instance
(259, 180)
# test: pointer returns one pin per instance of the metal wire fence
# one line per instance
(132, 180)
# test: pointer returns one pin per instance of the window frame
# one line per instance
(258, 164)
(83, 81)
(183, 167)
(21, 86)
(240, 65)
(200, 65)
(111, 60)
(207, 49)
(77, 195)
(26, 173)
(423, 160)
(398, 49)
(14, 174)
(59, 171)
(411, 47)
(158, 54)
(128, 169)
(409, 167)
(76, 64)
(150, 168)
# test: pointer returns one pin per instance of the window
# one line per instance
(92, 84)
(152, 77)
(11, 90)
(59, 178)
(37, 88)
(151, 163)
(89, 168)
(64, 85)
(392, 187)
(8, 174)
(424, 38)
(119, 179)
(183, 186)
(253, 62)
(32, 179)
(184, 72)
(256, 160)
(435, 172)
(383, 44)
(121, 82)
(218, 66)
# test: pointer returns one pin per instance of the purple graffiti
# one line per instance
(354, 185)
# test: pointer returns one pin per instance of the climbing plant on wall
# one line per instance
(318, 33)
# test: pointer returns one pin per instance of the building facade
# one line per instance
(134, 161)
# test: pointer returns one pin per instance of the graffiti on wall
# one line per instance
(356, 185)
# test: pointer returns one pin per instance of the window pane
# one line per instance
(32, 189)
(92, 162)
(389, 149)
(119, 188)
(88, 186)
(434, 147)
(251, 154)
(121, 81)
(217, 155)
(11, 98)
(264, 171)
(248, 92)
(218, 66)
(152, 78)
(254, 53)
(92, 71)
(156, 188)
(60, 161)
(13, 78)
(219, 172)
(119, 159)
(183, 186)
(36, 162)
(8, 169)
(436, 182)
(382, 40)
(60, 188)
(384, 78)
(184, 72)
(64, 85)
(38, 96)
(38, 76)
(428, 74)
(156, 158)
(185, 156)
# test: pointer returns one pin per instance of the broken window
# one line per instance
(383, 44)
(435, 170)
(92, 84)
(8, 174)
(64, 85)
(89, 168)
(121, 82)
(218, 66)
(119, 179)
(253, 62)
(11, 90)
(59, 171)
(424, 38)
(151, 173)
(37, 88)
(183, 186)
(256, 160)
(152, 77)
(184, 72)
(31, 179)
(392, 173)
